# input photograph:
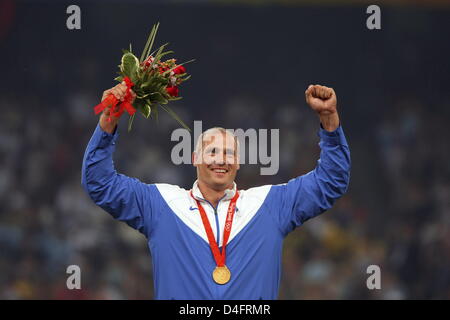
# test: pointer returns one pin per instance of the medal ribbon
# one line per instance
(218, 257)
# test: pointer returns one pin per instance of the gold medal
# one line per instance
(221, 275)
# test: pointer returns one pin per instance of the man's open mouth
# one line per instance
(219, 170)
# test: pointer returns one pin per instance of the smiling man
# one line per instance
(215, 241)
(216, 157)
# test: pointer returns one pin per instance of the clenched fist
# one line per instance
(323, 101)
(119, 91)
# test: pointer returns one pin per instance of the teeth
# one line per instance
(220, 170)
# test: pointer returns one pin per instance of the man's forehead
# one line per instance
(219, 138)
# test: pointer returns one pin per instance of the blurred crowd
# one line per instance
(396, 214)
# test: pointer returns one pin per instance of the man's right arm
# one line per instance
(126, 199)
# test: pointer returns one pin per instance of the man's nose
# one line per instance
(219, 159)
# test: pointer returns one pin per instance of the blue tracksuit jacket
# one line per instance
(168, 217)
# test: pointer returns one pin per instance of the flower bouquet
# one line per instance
(154, 81)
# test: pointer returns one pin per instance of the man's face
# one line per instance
(218, 162)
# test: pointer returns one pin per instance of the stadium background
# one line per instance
(254, 59)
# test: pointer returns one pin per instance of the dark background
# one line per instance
(254, 60)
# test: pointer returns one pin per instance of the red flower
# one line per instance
(163, 69)
(172, 90)
(179, 70)
(147, 62)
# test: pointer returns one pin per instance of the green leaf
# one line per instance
(164, 54)
(129, 66)
(149, 44)
(146, 110)
(183, 79)
(146, 84)
(158, 97)
(130, 122)
(145, 77)
(158, 54)
(176, 117)
(143, 95)
(138, 103)
(153, 53)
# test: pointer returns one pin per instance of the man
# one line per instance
(215, 241)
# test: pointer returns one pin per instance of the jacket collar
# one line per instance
(229, 193)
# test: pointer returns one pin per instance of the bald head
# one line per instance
(211, 135)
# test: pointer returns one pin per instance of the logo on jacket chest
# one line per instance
(192, 208)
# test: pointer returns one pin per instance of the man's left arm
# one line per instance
(307, 196)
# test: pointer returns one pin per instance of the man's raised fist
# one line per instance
(119, 91)
(321, 99)
(108, 121)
